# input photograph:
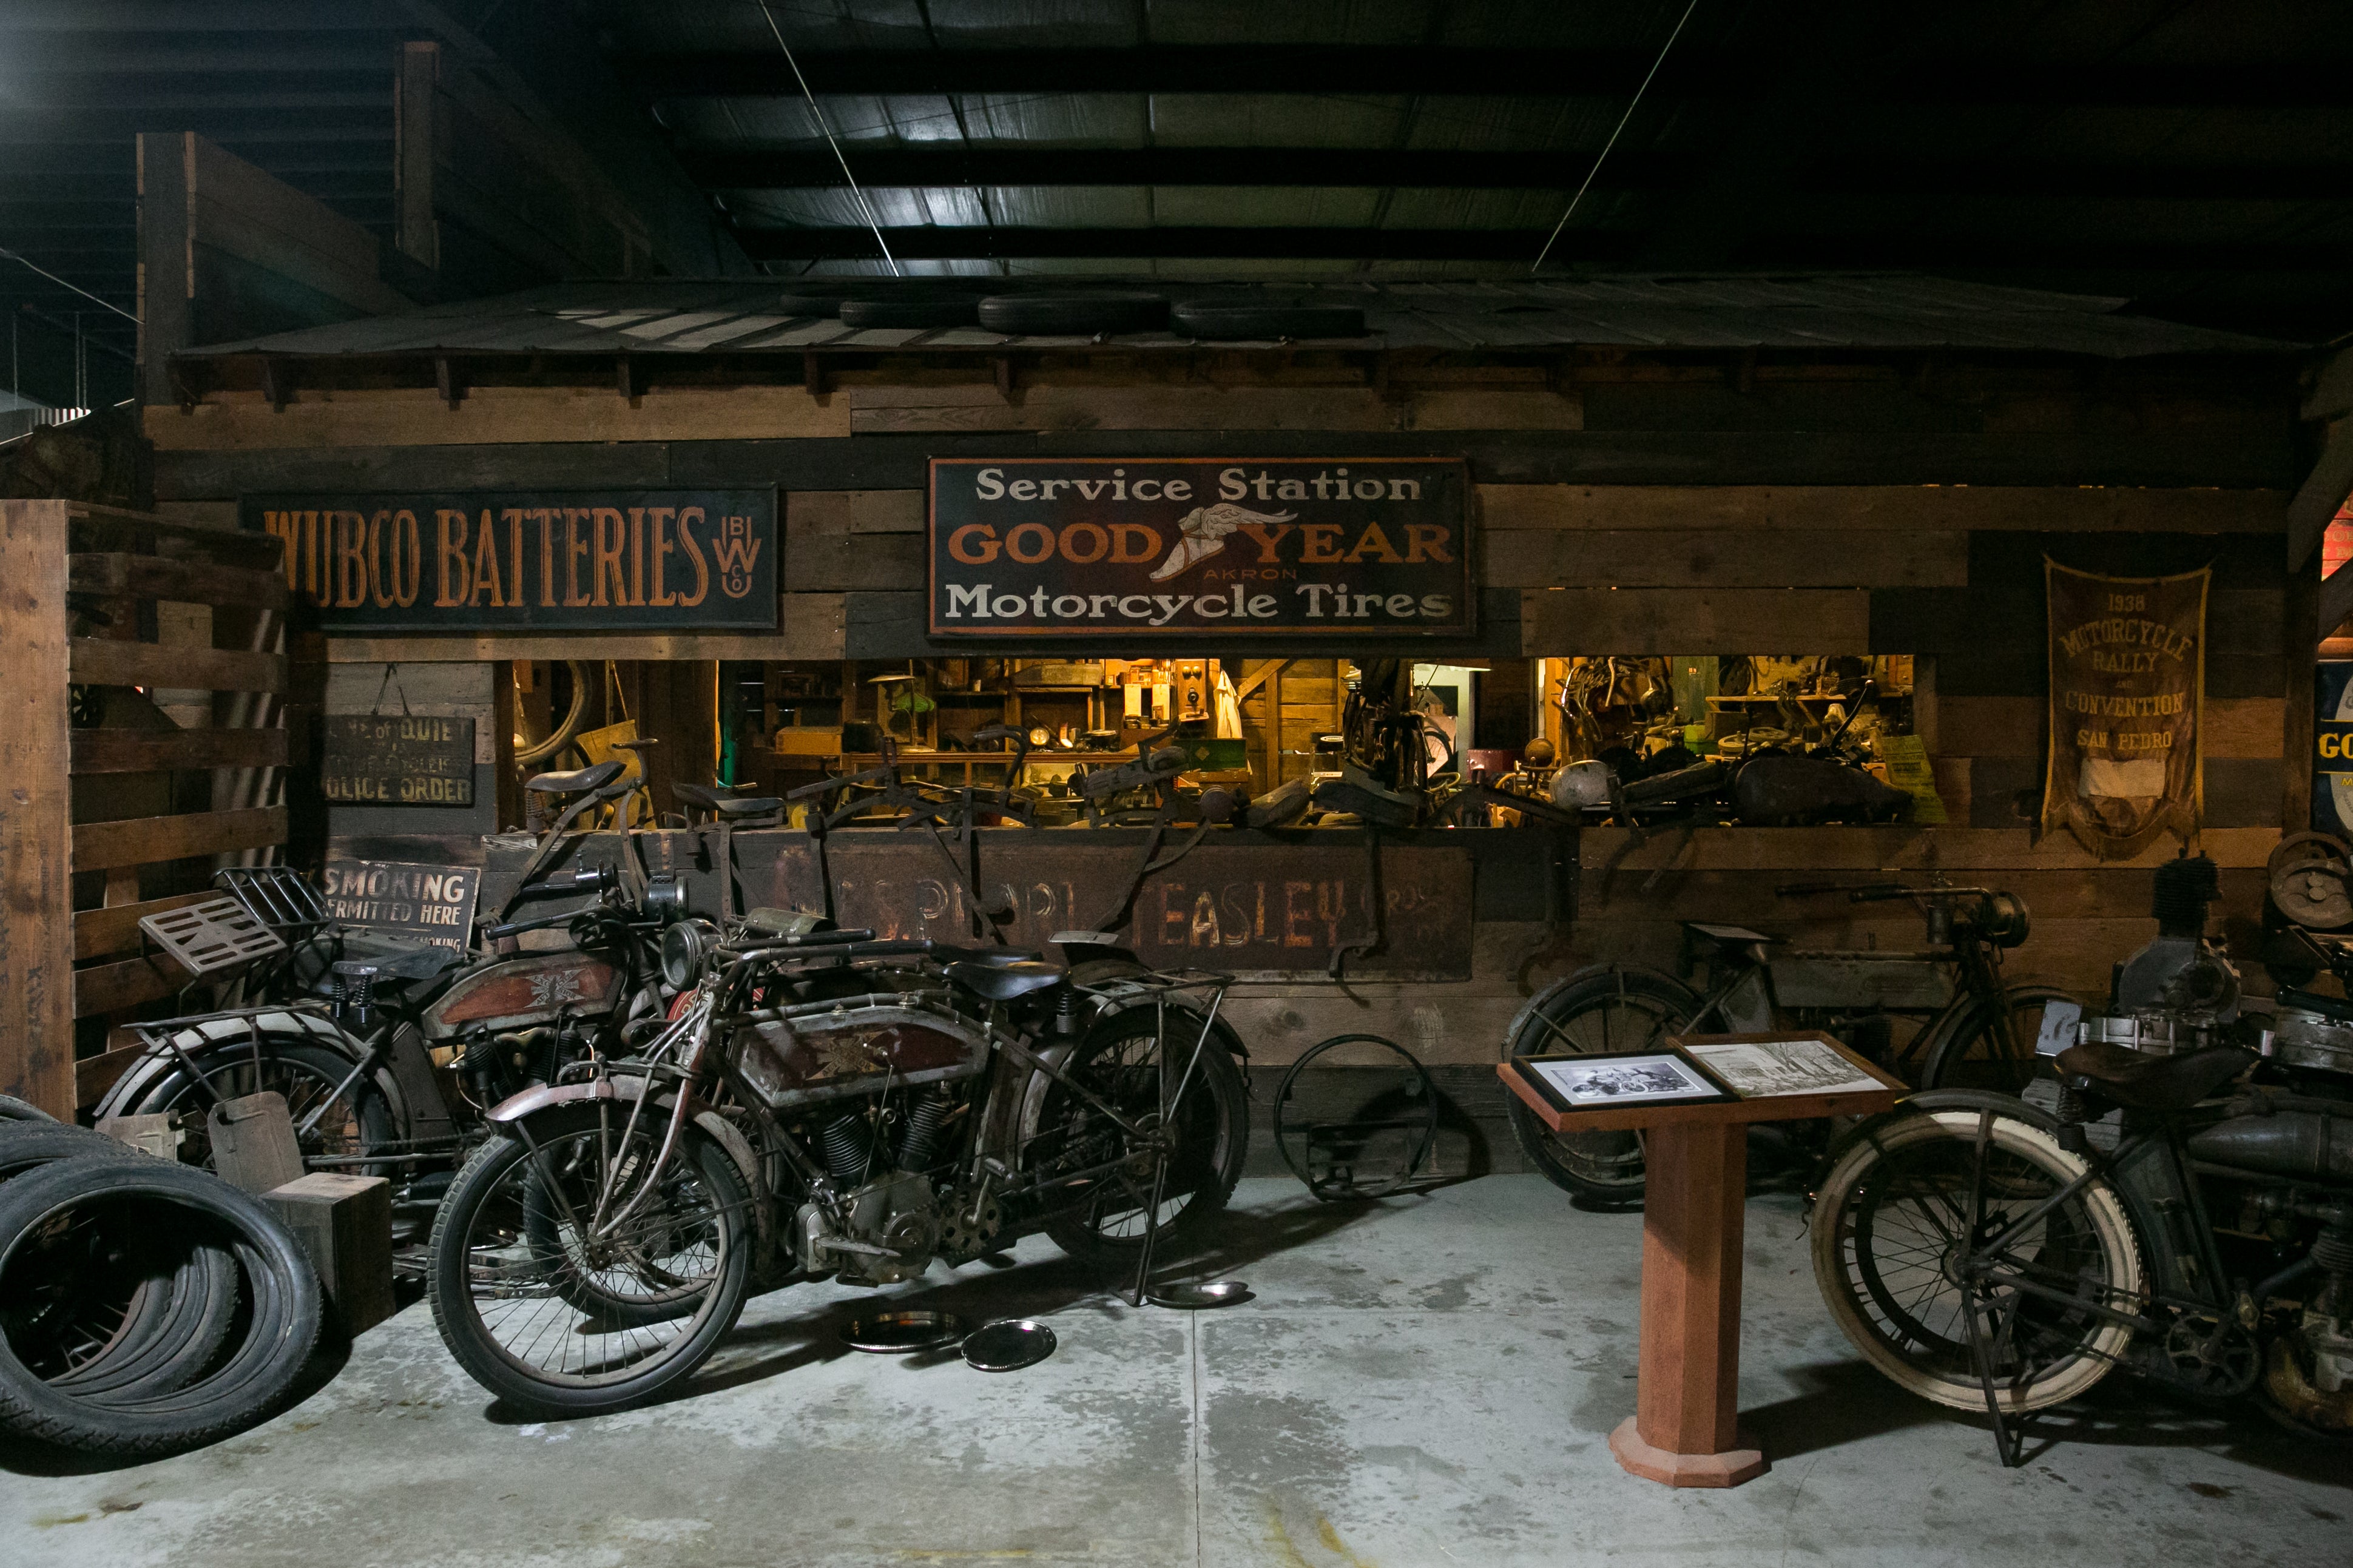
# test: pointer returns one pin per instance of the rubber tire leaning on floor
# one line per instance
(15, 1109)
(1961, 1390)
(281, 1329)
(488, 1363)
(28, 1146)
(1597, 1166)
(1230, 1100)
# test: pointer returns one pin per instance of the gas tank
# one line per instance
(798, 1055)
(518, 993)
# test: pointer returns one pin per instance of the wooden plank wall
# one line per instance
(1627, 508)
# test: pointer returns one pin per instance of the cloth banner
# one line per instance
(2127, 687)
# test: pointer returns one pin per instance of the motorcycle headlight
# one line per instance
(686, 952)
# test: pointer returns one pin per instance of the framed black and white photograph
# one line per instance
(1647, 1078)
(1755, 1068)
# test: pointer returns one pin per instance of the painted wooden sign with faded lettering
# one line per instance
(388, 759)
(490, 561)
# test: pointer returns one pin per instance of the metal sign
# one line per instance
(489, 561)
(1145, 547)
(431, 903)
(396, 760)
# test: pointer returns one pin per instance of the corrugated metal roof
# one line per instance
(1729, 312)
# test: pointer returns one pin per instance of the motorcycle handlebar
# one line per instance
(593, 879)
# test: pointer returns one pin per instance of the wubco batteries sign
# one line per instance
(511, 561)
(1061, 547)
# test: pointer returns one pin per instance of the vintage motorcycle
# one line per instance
(826, 1105)
(366, 1035)
(2174, 1193)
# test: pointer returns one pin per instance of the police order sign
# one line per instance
(1082, 547)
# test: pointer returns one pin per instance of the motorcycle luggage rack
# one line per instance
(280, 897)
(211, 935)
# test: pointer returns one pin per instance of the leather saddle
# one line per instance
(1004, 982)
(579, 781)
(2139, 1081)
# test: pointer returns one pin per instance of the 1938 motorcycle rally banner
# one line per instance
(2127, 689)
(489, 561)
(1169, 546)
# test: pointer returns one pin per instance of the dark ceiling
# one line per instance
(2193, 156)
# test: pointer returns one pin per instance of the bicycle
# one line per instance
(1969, 1027)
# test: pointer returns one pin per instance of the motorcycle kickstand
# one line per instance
(2009, 1442)
(1151, 1227)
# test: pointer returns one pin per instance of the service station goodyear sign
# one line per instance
(1063, 547)
(489, 561)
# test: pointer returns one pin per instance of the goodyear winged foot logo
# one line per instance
(737, 550)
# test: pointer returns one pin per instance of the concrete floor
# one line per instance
(1426, 1381)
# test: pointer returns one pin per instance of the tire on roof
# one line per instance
(1070, 315)
(1215, 318)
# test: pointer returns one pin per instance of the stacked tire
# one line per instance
(145, 1307)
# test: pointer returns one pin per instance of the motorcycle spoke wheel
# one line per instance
(1893, 1249)
(546, 1303)
(1130, 1066)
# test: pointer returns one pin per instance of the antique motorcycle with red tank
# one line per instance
(389, 1051)
(824, 1105)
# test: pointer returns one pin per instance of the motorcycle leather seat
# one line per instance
(579, 781)
(2143, 1082)
(1004, 982)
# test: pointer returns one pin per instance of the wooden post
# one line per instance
(1696, 1190)
(416, 233)
(168, 266)
(36, 987)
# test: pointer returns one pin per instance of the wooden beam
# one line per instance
(2335, 600)
(37, 1035)
(167, 263)
(808, 627)
(111, 987)
(2321, 497)
(415, 416)
(1899, 509)
(98, 933)
(1726, 558)
(104, 661)
(2331, 396)
(164, 750)
(144, 840)
(416, 233)
(1556, 622)
(245, 212)
(93, 1076)
(115, 574)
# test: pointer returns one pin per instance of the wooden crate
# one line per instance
(68, 567)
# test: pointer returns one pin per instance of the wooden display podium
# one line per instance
(1683, 1431)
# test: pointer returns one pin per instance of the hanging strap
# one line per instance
(391, 679)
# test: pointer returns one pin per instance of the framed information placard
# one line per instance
(1792, 1076)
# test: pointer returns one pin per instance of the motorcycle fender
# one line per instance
(225, 1036)
(1930, 1103)
(550, 1096)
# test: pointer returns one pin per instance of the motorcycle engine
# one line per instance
(2179, 993)
(890, 1229)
